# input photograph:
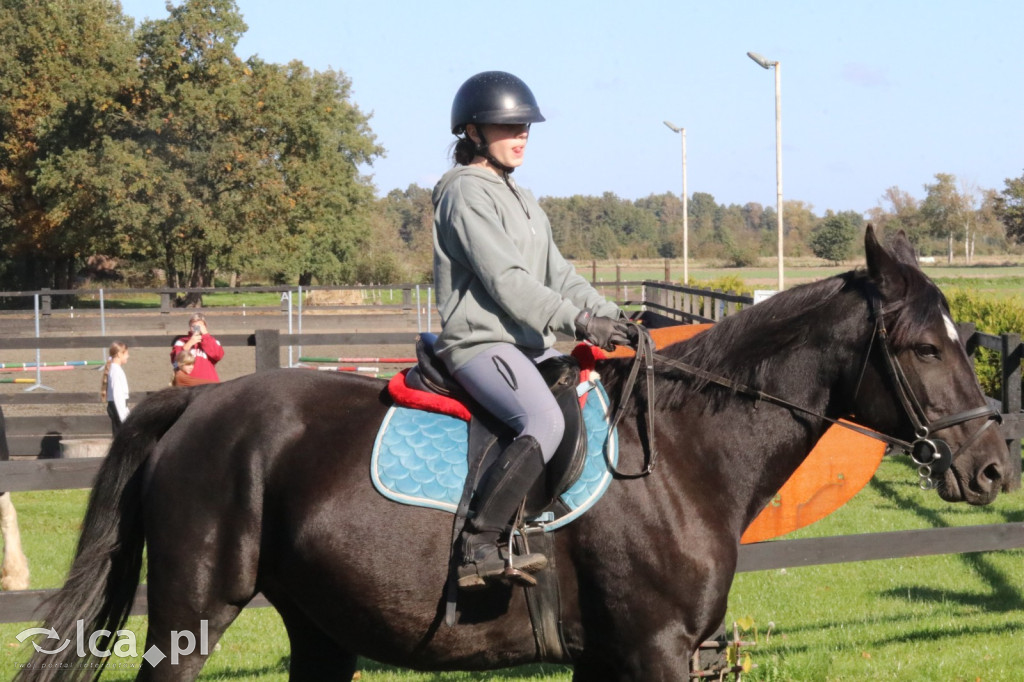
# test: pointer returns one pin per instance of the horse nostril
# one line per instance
(994, 474)
(986, 480)
(991, 472)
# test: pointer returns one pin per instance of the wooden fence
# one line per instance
(55, 474)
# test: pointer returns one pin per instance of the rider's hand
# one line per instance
(632, 330)
(633, 334)
(603, 332)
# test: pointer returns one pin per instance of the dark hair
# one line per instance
(464, 150)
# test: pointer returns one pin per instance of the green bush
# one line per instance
(992, 316)
(729, 283)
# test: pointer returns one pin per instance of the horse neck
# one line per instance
(748, 448)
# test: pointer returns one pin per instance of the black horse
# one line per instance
(261, 485)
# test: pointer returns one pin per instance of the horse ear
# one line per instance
(883, 267)
(903, 250)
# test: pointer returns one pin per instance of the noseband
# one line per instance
(933, 456)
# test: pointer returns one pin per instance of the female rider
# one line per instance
(503, 290)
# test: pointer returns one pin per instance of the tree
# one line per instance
(242, 163)
(668, 211)
(315, 138)
(903, 213)
(703, 210)
(799, 221)
(753, 214)
(949, 212)
(408, 220)
(202, 170)
(835, 238)
(1009, 208)
(990, 229)
(65, 70)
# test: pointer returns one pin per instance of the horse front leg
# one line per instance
(648, 630)
(14, 573)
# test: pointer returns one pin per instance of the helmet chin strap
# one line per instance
(483, 148)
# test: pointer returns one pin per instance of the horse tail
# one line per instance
(101, 584)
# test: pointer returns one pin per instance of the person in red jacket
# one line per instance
(202, 345)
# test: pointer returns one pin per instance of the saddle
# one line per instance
(488, 437)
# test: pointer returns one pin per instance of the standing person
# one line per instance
(202, 345)
(115, 385)
(503, 290)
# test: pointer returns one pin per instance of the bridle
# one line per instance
(933, 456)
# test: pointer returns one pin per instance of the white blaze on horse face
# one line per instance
(954, 336)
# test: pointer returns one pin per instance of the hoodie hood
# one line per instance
(460, 171)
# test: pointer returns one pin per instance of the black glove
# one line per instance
(632, 330)
(603, 332)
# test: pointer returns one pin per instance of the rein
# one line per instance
(932, 455)
(644, 355)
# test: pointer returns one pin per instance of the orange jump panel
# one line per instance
(841, 463)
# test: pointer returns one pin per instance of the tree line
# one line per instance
(954, 220)
(159, 148)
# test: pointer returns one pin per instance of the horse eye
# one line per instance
(926, 351)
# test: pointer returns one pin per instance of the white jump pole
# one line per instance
(39, 362)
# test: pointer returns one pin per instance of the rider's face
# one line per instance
(507, 141)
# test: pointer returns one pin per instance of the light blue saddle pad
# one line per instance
(419, 458)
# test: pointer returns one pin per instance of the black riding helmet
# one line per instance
(493, 97)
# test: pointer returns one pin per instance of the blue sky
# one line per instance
(874, 93)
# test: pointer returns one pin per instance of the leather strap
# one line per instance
(644, 355)
(543, 599)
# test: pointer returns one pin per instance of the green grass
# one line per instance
(91, 301)
(250, 299)
(950, 617)
(227, 299)
(1001, 288)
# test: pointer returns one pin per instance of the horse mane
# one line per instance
(741, 347)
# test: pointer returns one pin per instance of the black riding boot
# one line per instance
(509, 479)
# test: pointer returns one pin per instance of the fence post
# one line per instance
(44, 302)
(1011, 398)
(668, 271)
(268, 349)
(165, 303)
(406, 298)
(966, 331)
(593, 271)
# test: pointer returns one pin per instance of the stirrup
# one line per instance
(514, 576)
(514, 570)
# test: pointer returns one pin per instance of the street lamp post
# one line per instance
(764, 63)
(686, 231)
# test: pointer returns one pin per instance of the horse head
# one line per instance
(921, 388)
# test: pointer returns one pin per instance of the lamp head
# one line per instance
(764, 63)
(673, 128)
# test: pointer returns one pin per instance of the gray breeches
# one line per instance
(508, 385)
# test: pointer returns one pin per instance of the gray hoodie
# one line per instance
(498, 275)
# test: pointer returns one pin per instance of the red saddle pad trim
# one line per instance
(407, 396)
